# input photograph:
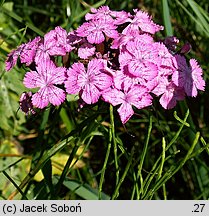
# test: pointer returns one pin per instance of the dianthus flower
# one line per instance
(143, 22)
(26, 52)
(53, 44)
(137, 57)
(46, 77)
(86, 50)
(12, 57)
(104, 13)
(132, 94)
(95, 31)
(122, 64)
(170, 93)
(188, 76)
(88, 82)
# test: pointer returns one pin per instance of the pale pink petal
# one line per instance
(162, 83)
(12, 57)
(40, 99)
(29, 51)
(138, 96)
(83, 30)
(102, 81)
(125, 111)
(113, 96)
(96, 37)
(171, 95)
(56, 95)
(56, 51)
(86, 50)
(95, 66)
(11, 60)
(71, 84)
(111, 32)
(77, 68)
(197, 75)
(30, 79)
(76, 78)
(168, 101)
(90, 94)
(42, 54)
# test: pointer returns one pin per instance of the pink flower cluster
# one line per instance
(118, 61)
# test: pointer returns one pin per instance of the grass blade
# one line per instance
(166, 18)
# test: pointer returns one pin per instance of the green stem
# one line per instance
(114, 143)
(116, 192)
(174, 169)
(139, 174)
(104, 165)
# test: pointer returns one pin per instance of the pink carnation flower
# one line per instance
(54, 44)
(188, 76)
(104, 13)
(124, 39)
(12, 57)
(28, 53)
(62, 39)
(95, 31)
(135, 95)
(137, 58)
(46, 78)
(170, 93)
(88, 82)
(86, 50)
(142, 21)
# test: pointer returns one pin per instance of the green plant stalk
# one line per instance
(162, 159)
(105, 165)
(128, 165)
(200, 150)
(173, 170)
(114, 143)
(139, 173)
(40, 139)
(154, 169)
(11, 165)
(205, 145)
(161, 166)
(179, 131)
(199, 180)
(164, 192)
(23, 35)
(135, 188)
(196, 8)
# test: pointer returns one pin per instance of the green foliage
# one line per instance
(60, 153)
(10, 89)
